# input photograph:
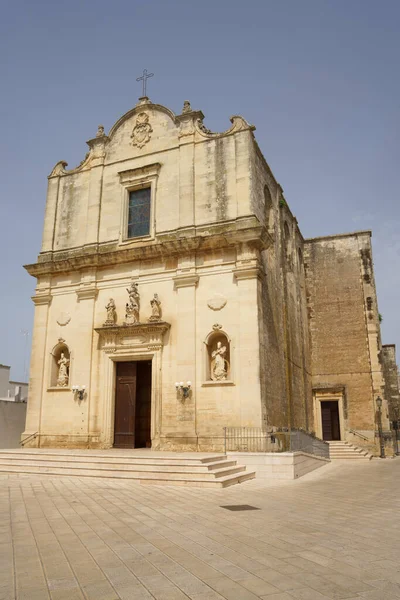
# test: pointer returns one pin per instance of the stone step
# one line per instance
(353, 456)
(340, 450)
(137, 465)
(223, 478)
(135, 472)
(222, 482)
(151, 467)
(123, 457)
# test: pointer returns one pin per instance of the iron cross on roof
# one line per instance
(144, 78)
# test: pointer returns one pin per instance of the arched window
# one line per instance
(268, 209)
(286, 241)
(60, 365)
(218, 357)
(300, 259)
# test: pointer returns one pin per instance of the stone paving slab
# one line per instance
(334, 534)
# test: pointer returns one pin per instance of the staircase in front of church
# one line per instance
(145, 466)
(345, 451)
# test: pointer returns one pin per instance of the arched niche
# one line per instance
(218, 367)
(60, 366)
(268, 209)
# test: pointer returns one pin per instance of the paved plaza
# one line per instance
(333, 534)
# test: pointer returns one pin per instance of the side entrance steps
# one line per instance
(147, 467)
(345, 450)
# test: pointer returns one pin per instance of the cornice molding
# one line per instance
(247, 272)
(87, 293)
(139, 173)
(42, 299)
(138, 335)
(170, 243)
(185, 280)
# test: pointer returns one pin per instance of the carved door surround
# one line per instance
(141, 341)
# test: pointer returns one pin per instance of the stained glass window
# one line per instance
(139, 213)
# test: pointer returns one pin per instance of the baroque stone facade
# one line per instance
(226, 300)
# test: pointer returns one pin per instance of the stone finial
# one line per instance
(100, 131)
(186, 107)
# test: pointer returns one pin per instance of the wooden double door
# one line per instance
(133, 405)
(330, 420)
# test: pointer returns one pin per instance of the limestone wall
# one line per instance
(279, 465)
(12, 423)
(391, 378)
(344, 327)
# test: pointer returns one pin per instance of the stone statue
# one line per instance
(100, 131)
(155, 308)
(133, 293)
(62, 380)
(186, 107)
(218, 363)
(111, 313)
(133, 306)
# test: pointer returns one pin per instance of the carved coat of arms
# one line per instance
(142, 130)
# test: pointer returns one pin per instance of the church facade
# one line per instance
(176, 296)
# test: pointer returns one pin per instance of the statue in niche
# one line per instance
(132, 307)
(111, 313)
(62, 380)
(219, 363)
(155, 308)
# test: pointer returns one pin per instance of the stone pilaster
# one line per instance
(185, 285)
(42, 302)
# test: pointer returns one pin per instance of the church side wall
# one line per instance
(285, 350)
(344, 329)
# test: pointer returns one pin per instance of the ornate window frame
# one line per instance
(137, 179)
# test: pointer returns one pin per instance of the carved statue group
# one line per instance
(132, 308)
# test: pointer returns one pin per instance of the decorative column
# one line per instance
(185, 285)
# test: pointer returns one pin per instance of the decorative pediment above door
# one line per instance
(137, 335)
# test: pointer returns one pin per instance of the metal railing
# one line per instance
(363, 437)
(32, 435)
(257, 439)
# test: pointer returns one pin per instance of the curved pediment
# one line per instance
(142, 105)
(145, 129)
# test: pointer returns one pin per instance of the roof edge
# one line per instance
(339, 235)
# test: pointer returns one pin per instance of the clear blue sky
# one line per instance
(318, 78)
